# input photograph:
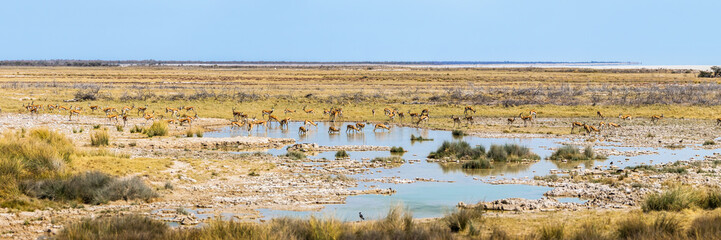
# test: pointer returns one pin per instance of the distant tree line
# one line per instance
(714, 73)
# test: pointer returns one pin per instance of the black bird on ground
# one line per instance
(361, 216)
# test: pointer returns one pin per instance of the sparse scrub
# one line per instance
(391, 159)
(295, 155)
(137, 129)
(157, 129)
(551, 232)
(117, 227)
(459, 150)
(510, 153)
(119, 128)
(89, 187)
(100, 138)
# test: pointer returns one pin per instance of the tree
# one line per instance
(716, 71)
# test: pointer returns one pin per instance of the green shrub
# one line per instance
(709, 142)
(341, 154)
(88, 187)
(157, 129)
(397, 150)
(295, 155)
(119, 128)
(459, 150)
(96, 126)
(100, 138)
(510, 153)
(458, 133)
(675, 199)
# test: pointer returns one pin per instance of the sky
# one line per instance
(654, 32)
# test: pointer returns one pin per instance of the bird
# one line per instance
(361, 216)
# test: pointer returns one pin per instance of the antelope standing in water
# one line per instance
(468, 109)
(360, 125)
(284, 122)
(271, 118)
(302, 130)
(309, 122)
(422, 119)
(234, 124)
(351, 127)
(332, 130)
(456, 120)
(656, 118)
(381, 126)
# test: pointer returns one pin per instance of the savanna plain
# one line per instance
(189, 152)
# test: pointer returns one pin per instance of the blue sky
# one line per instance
(652, 32)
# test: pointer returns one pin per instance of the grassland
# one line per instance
(499, 93)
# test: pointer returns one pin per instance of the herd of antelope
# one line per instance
(181, 115)
(178, 115)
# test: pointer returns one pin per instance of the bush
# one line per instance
(419, 138)
(551, 232)
(709, 142)
(570, 152)
(510, 153)
(100, 138)
(137, 129)
(88, 187)
(42, 153)
(459, 150)
(461, 219)
(675, 199)
(295, 155)
(397, 150)
(341, 154)
(116, 227)
(458, 133)
(157, 129)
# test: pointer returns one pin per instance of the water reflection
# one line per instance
(498, 169)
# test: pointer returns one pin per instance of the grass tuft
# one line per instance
(100, 138)
(570, 152)
(157, 129)
(341, 154)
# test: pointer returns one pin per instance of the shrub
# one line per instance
(96, 126)
(458, 150)
(675, 199)
(341, 154)
(137, 129)
(705, 227)
(663, 227)
(397, 150)
(42, 153)
(458, 133)
(510, 153)
(157, 129)
(570, 152)
(116, 227)
(88, 187)
(100, 138)
(709, 142)
(199, 132)
(419, 138)
(295, 155)
(461, 219)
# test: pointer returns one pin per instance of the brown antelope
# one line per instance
(526, 119)
(267, 112)
(332, 129)
(392, 116)
(170, 121)
(600, 115)
(126, 108)
(373, 111)
(532, 113)
(112, 117)
(413, 115)
(422, 119)
(655, 118)
(188, 120)
(51, 107)
(387, 111)
(188, 108)
(590, 128)
(149, 117)
(511, 120)
(142, 109)
(469, 119)
(360, 125)
(172, 111)
(308, 111)
(236, 114)
(381, 126)
(601, 125)
(425, 112)
(125, 119)
(613, 125)
(302, 130)
(271, 118)
(468, 109)
(108, 110)
(351, 127)
(624, 117)
(73, 112)
(63, 108)
(93, 108)
(326, 111)
(400, 116)
(576, 124)
(456, 120)
(309, 122)
(286, 111)
(284, 122)
(718, 121)
(234, 124)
